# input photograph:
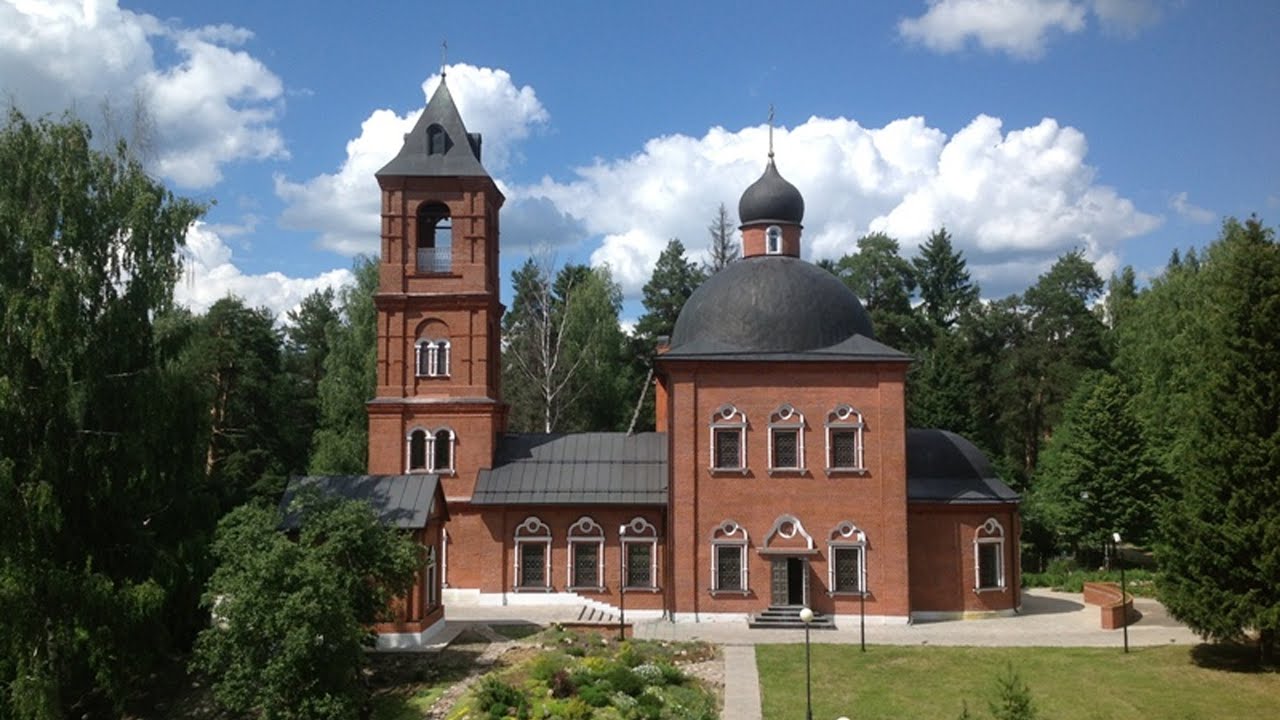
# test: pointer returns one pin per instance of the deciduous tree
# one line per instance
(341, 444)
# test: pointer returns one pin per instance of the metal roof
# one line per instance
(576, 469)
(944, 467)
(776, 308)
(403, 501)
(771, 199)
(461, 157)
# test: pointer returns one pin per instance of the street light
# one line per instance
(622, 584)
(1124, 596)
(806, 617)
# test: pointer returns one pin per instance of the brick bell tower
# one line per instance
(438, 405)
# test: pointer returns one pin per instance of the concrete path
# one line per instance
(1047, 619)
(741, 684)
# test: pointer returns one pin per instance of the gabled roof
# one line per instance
(461, 157)
(576, 469)
(403, 501)
(943, 467)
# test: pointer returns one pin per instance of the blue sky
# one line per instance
(1028, 128)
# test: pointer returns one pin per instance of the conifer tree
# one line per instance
(946, 290)
(674, 279)
(341, 443)
(724, 244)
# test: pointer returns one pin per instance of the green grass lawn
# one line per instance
(1066, 683)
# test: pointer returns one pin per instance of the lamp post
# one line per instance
(1124, 596)
(806, 616)
(862, 610)
(622, 584)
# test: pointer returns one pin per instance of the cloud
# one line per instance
(1020, 28)
(1013, 200)
(210, 275)
(216, 104)
(1190, 211)
(343, 206)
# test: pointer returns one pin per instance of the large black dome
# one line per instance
(771, 199)
(769, 304)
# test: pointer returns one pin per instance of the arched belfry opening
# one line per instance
(434, 244)
(438, 142)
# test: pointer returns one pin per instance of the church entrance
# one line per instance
(790, 584)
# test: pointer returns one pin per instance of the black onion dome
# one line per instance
(770, 304)
(771, 199)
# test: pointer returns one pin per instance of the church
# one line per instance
(782, 474)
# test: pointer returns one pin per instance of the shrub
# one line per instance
(500, 700)
(1013, 701)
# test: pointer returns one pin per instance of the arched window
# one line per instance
(640, 552)
(430, 451)
(533, 555)
(847, 560)
(729, 439)
(435, 239)
(773, 240)
(432, 358)
(729, 558)
(586, 555)
(417, 461)
(844, 440)
(437, 140)
(786, 440)
(988, 556)
(442, 452)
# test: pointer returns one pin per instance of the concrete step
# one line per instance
(789, 618)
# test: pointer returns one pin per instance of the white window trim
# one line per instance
(787, 526)
(444, 557)
(729, 419)
(639, 532)
(429, 462)
(772, 233)
(729, 534)
(585, 531)
(845, 417)
(533, 531)
(432, 367)
(788, 418)
(847, 536)
(432, 589)
(990, 532)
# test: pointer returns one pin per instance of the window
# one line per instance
(533, 555)
(786, 439)
(844, 440)
(773, 240)
(430, 451)
(431, 579)
(729, 558)
(846, 562)
(586, 556)
(432, 358)
(640, 549)
(437, 140)
(435, 239)
(988, 555)
(728, 439)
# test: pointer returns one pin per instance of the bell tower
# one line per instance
(438, 404)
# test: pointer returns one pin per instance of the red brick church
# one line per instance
(782, 473)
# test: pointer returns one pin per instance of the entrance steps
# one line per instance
(788, 617)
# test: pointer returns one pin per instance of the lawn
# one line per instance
(1066, 683)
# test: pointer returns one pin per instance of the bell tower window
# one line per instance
(437, 140)
(435, 239)
(773, 240)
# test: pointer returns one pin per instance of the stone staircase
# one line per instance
(788, 617)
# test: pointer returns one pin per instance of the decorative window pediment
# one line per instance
(786, 440)
(988, 556)
(787, 532)
(729, 439)
(845, 451)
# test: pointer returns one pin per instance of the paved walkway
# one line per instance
(1048, 619)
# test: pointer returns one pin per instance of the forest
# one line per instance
(130, 426)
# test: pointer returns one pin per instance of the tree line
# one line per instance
(129, 427)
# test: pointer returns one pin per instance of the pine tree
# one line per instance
(884, 281)
(1219, 553)
(674, 279)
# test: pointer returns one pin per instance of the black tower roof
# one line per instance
(457, 153)
(771, 199)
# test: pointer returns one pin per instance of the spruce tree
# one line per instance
(724, 245)
(946, 290)
(674, 279)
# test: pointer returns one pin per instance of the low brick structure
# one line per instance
(1115, 608)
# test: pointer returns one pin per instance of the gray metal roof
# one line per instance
(403, 501)
(944, 467)
(460, 159)
(771, 199)
(776, 308)
(576, 469)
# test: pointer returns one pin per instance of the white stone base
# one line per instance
(424, 640)
(851, 621)
(938, 615)
(708, 617)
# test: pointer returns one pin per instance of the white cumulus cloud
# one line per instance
(343, 206)
(1020, 28)
(1189, 210)
(216, 104)
(210, 275)
(1013, 200)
